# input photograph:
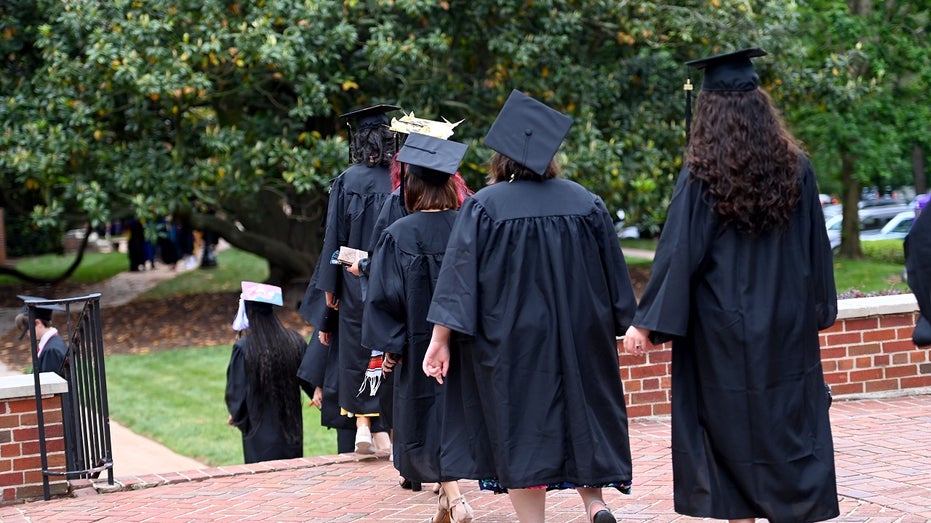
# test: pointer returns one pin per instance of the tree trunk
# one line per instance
(284, 229)
(850, 229)
(918, 169)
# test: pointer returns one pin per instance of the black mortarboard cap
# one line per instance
(43, 311)
(528, 131)
(729, 71)
(372, 115)
(438, 159)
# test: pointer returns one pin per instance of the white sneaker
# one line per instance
(364, 440)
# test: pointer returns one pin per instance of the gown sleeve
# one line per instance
(822, 260)
(455, 299)
(313, 366)
(615, 268)
(917, 253)
(236, 388)
(385, 323)
(329, 277)
(664, 306)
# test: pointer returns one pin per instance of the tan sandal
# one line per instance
(442, 509)
(460, 511)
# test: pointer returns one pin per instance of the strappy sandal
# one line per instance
(460, 511)
(442, 509)
(602, 516)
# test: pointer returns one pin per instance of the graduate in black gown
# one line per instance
(741, 284)
(535, 281)
(319, 370)
(52, 356)
(403, 271)
(263, 395)
(356, 197)
(918, 264)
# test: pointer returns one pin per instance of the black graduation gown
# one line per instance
(403, 271)
(356, 197)
(53, 356)
(262, 423)
(918, 266)
(52, 359)
(751, 435)
(534, 276)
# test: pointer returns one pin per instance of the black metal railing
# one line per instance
(85, 410)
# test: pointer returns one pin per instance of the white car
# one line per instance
(872, 219)
(896, 229)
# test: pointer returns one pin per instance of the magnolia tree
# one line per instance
(225, 113)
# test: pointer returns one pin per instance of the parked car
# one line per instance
(871, 219)
(622, 229)
(896, 229)
(832, 209)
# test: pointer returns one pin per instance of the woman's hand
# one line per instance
(436, 360)
(388, 362)
(324, 338)
(354, 268)
(331, 300)
(637, 340)
(317, 400)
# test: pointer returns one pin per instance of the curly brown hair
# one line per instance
(373, 145)
(749, 161)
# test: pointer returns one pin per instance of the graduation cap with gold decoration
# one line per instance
(409, 124)
(528, 131)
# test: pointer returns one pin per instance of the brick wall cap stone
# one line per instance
(876, 306)
(23, 385)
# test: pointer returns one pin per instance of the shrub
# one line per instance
(884, 251)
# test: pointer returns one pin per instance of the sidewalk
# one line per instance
(883, 475)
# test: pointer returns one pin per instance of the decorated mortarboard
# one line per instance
(262, 293)
(409, 124)
(729, 71)
(436, 159)
(257, 293)
(528, 131)
(372, 115)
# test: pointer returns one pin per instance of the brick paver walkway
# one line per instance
(883, 469)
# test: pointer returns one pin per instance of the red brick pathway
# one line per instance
(883, 473)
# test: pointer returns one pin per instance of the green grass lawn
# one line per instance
(233, 267)
(94, 267)
(177, 398)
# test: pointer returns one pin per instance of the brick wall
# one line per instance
(20, 458)
(868, 352)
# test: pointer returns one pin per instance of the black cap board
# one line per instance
(528, 131)
(43, 311)
(729, 71)
(372, 115)
(436, 158)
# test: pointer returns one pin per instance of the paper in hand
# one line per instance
(349, 256)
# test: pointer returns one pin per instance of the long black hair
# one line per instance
(272, 356)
